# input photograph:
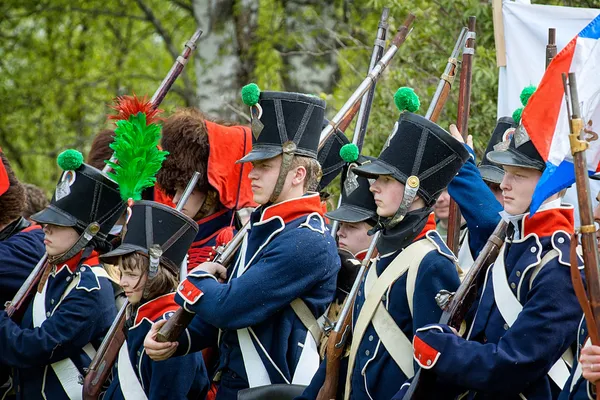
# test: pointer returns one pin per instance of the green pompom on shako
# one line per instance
(349, 152)
(250, 94)
(526, 94)
(407, 100)
(70, 160)
(517, 115)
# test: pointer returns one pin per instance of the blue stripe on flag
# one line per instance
(553, 180)
(592, 31)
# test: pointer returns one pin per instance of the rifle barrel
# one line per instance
(464, 105)
(371, 78)
(18, 300)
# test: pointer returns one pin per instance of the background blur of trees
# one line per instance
(63, 61)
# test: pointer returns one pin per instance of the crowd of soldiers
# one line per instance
(259, 324)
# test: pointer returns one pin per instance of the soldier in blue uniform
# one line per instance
(284, 277)
(74, 304)
(526, 315)
(413, 265)
(21, 244)
(156, 241)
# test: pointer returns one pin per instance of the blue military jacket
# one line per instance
(578, 388)
(288, 254)
(74, 327)
(176, 378)
(19, 254)
(498, 361)
(376, 375)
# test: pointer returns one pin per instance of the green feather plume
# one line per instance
(406, 99)
(349, 152)
(526, 94)
(69, 160)
(138, 156)
(250, 94)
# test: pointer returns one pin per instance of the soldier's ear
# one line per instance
(299, 175)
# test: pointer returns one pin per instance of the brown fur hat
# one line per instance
(185, 137)
(100, 150)
(12, 202)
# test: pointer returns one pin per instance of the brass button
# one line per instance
(512, 285)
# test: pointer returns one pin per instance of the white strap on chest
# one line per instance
(465, 258)
(309, 360)
(510, 307)
(65, 370)
(373, 310)
(128, 380)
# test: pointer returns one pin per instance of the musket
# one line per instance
(169, 80)
(590, 303)
(16, 305)
(464, 105)
(447, 79)
(551, 46)
(457, 305)
(367, 101)
(370, 80)
(106, 356)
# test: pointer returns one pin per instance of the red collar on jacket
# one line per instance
(72, 263)
(429, 226)
(361, 255)
(546, 222)
(292, 209)
(156, 308)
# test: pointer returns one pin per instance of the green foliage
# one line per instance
(137, 154)
(349, 152)
(406, 99)
(69, 160)
(526, 94)
(250, 94)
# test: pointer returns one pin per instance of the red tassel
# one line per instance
(225, 236)
(127, 106)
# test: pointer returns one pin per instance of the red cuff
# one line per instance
(190, 293)
(424, 354)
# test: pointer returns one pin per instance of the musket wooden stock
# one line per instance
(459, 305)
(464, 105)
(101, 365)
(589, 242)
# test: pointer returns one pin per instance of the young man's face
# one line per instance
(263, 176)
(353, 236)
(194, 202)
(517, 187)
(133, 282)
(59, 239)
(441, 208)
(388, 194)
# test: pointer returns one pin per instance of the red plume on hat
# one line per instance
(12, 193)
(126, 106)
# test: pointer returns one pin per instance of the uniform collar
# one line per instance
(361, 255)
(550, 217)
(72, 263)
(429, 226)
(292, 209)
(156, 308)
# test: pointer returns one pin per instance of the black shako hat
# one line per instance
(419, 148)
(357, 203)
(284, 118)
(153, 224)
(517, 151)
(504, 129)
(329, 156)
(83, 196)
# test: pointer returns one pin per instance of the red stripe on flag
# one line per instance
(541, 113)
